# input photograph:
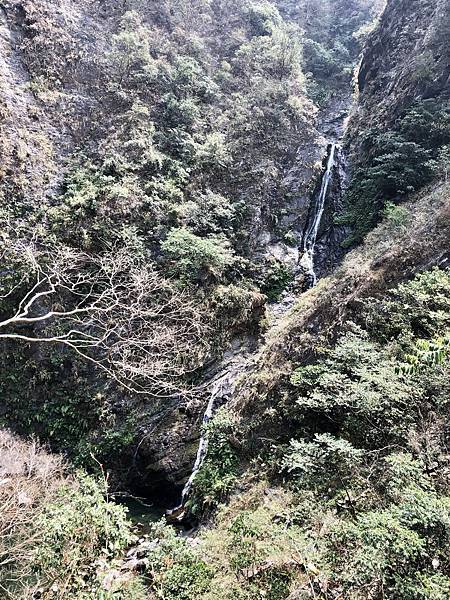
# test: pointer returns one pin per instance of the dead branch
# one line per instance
(112, 311)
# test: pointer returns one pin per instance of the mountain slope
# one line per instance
(162, 165)
(191, 141)
(399, 132)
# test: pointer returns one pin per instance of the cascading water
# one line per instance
(310, 236)
(220, 387)
(223, 385)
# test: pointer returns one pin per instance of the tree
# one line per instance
(111, 310)
(130, 56)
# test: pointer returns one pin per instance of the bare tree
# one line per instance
(111, 310)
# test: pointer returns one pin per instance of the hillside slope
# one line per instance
(224, 301)
(399, 131)
(189, 140)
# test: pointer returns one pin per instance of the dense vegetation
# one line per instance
(61, 537)
(362, 509)
(356, 503)
(334, 36)
(399, 137)
(201, 145)
(159, 163)
(399, 161)
(193, 131)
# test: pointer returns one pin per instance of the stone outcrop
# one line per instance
(407, 58)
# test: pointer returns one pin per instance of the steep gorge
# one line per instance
(111, 143)
(282, 251)
(393, 252)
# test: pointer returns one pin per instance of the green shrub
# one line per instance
(395, 548)
(278, 277)
(213, 152)
(259, 549)
(428, 586)
(234, 307)
(218, 472)
(398, 162)
(245, 533)
(61, 537)
(78, 527)
(68, 539)
(130, 57)
(193, 258)
(56, 400)
(428, 353)
(371, 448)
(443, 162)
(326, 462)
(177, 572)
(358, 387)
(187, 580)
(377, 549)
(322, 61)
(264, 17)
(207, 214)
(419, 309)
(396, 215)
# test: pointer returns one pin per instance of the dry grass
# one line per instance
(29, 479)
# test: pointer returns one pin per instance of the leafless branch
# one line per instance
(112, 311)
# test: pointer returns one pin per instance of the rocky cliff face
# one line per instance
(136, 119)
(406, 59)
(399, 132)
(27, 138)
(122, 122)
(59, 74)
(204, 138)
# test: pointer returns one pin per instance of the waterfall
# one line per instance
(223, 385)
(217, 390)
(310, 236)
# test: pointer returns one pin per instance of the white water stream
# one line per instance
(310, 237)
(219, 388)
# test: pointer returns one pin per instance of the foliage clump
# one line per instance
(372, 447)
(398, 162)
(196, 258)
(218, 473)
(62, 538)
(176, 570)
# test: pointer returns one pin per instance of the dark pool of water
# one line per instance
(141, 513)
